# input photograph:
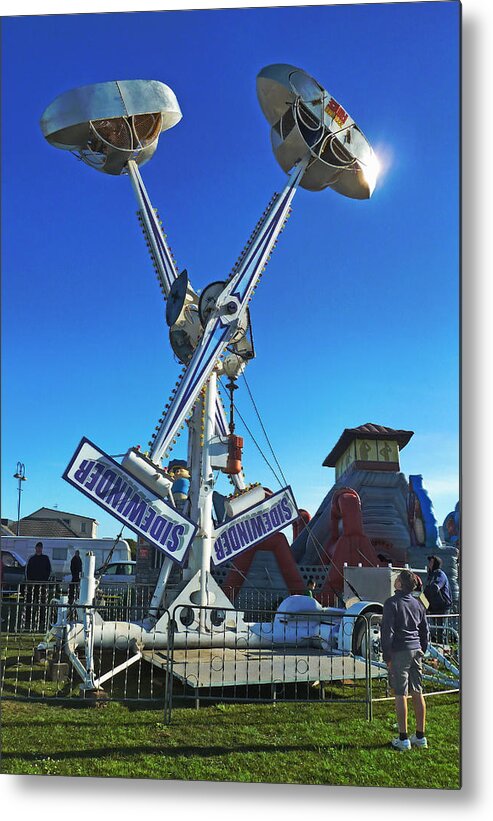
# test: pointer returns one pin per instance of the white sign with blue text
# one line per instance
(114, 489)
(254, 525)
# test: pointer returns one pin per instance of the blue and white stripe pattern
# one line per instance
(211, 345)
(166, 268)
(222, 428)
(217, 334)
(164, 260)
(256, 257)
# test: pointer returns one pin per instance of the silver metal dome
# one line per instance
(106, 124)
(307, 121)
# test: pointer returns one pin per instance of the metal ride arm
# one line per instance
(224, 321)
(166, 270)
(163, 259)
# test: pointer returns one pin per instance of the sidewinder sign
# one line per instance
(254, 525)
(114, 489)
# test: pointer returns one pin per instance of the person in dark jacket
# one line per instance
(76, 571)
(38, 570)
(437, 588)
(405, 636)
(39, 566)
(310, 588)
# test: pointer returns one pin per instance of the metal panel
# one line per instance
(121, 98)
(308, 122)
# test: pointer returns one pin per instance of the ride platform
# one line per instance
(212, 667)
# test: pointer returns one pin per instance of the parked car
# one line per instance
(12, 571)
(122, 573)
(118, 573)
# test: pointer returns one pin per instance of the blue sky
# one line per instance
(356, 318)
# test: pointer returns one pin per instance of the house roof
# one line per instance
(367, 431)
(58, 513)
(6, 531)
(46, 527)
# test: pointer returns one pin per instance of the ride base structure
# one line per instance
(114, 128)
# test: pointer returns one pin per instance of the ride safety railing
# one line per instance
(71, 653)
(317, 656)
(441, 663)
(52, 649)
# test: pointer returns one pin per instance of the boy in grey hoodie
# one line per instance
(405, 636)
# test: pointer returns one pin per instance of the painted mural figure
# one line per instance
(386, 451)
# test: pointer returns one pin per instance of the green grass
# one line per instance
(316, 743)
(286, 743)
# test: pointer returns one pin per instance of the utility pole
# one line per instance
(20, 475)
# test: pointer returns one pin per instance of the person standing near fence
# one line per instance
(405, 635)
(437, 588)
(310, 588)
(39, 566)
(76, 571)
(38, 570)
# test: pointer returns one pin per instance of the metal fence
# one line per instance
(330, 660)
(131, 601)
(286, 657)
(120, 601)
(35, 667)
(441, 664)
(254, 601)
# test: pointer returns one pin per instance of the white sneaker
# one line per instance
(397, 744)
(418, 742)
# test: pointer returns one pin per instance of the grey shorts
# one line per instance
(406, 670)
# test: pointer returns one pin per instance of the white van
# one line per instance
(61, 551)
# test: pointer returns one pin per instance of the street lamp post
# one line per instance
(20, 475)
